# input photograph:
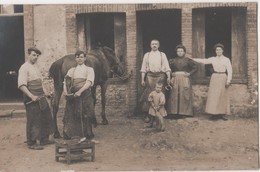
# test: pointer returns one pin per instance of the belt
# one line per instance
(219, 72)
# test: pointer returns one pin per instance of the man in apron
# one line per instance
(39, 119)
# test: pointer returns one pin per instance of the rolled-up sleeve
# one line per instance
(22, 77)
(165, 64)
(91, 75)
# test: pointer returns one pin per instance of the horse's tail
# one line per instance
(56, 73)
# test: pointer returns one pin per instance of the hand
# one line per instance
(77, 94)
(168, 81)
(227, 85)
(187, 74)
(34, 98)
(143, 83)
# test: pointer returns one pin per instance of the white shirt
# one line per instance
(28, 72)
(82, 71)
(220, 64)
(155, 61)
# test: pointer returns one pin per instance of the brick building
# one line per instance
(128, 28)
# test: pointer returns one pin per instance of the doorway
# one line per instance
(164, 25)
(11, 56)
(217, 30)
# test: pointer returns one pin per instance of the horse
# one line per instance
(104, 62)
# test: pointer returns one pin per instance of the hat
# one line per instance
(218, 45)
(35, 50)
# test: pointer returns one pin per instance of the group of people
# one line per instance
(158, 75)
(79, 114)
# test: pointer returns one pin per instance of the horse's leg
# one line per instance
(93, 92)
(55, 109)
(103, 103)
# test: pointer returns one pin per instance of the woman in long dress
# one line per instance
(218, 103)
(180, 99)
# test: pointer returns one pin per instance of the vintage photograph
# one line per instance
(129, 87)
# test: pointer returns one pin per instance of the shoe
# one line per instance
(223, 118)
(47, 142)
(147, 119)
(35, 147)
(94, 141)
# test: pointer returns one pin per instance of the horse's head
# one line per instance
(117, 68)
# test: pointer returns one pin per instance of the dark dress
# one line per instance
(180, 98)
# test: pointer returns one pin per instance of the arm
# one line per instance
(229, 72)
(143, 70)
(22, 82)
(204, 61)
(166, 67)
(25, 90)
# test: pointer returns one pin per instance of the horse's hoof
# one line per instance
(104, 122)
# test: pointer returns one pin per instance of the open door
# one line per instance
(11, 56)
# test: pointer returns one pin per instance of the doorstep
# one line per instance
(13, 109)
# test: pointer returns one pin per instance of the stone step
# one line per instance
(16, 109)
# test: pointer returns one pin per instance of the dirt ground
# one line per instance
(126, 144)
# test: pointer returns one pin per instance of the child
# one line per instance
(156, 109)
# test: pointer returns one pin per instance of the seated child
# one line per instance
(156, 109)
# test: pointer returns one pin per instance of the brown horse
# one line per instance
(104, 62)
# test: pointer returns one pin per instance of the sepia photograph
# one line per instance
(120, 86)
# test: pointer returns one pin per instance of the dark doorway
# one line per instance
(102, 29)
(217, 30)
(164, 25)
(11, 56)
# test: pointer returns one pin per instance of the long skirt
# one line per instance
(180, 98)
(218, 97)
(150, 81)
(39, 123)
(79, 115)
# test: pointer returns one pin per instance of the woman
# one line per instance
(180, 98)
(79, 112)
(218, 104)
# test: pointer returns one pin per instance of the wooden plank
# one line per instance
(198, 39)
(238, 32)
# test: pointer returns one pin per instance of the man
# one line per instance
(155, 68)
(79, 113)
(39, 119)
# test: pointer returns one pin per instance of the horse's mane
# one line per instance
(98, 53)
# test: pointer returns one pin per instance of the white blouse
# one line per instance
(28, 72)
(155, 61)
(220, 64)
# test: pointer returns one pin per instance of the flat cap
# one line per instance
(36, 50)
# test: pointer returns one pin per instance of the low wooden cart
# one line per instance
(72, 149)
